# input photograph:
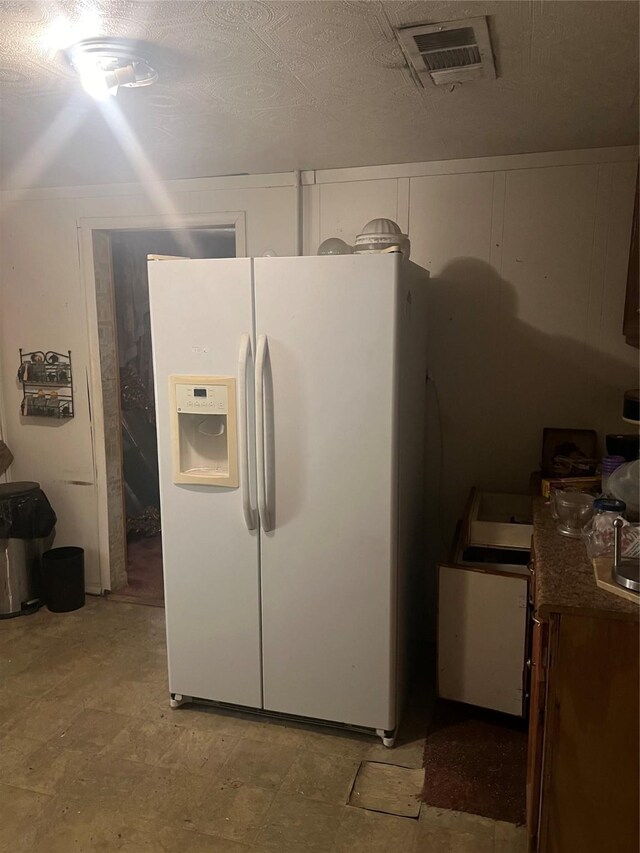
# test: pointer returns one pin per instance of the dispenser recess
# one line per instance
(203, 425)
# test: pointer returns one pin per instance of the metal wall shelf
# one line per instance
(47, 384)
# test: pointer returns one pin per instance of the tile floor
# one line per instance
(93, 759)
(145, 582)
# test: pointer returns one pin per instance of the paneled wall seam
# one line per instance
(603, 203)
(497, 219)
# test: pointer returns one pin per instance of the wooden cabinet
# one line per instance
(590, 769)
(582, 775)
(537, 702)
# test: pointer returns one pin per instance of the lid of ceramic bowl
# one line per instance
(380, 239)
(381, 226)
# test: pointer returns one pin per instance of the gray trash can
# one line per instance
(27, 523)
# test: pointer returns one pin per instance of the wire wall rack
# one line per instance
(47, 384)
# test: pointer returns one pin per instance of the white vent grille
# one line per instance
(452, 51)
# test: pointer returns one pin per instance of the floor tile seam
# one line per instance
(465, 815)
(62, 785)
(221, 737)
(21, 696)
(191, 726)
(11, 674)
(348, 809)
(335, 754)
(275, 792)
(216, 836)
(125, 717)
(193, 773)
(13, 723)
(103, 753)
(454, 833)
(70, 720)
(59, 672)
(11, 739)
(83, 702)
(57, 742)
(265, 824)
(91, 705)
(383, 812)
(30, 790)
(27, 788)
(190, 826)
(137, 680)
(318, 799)
(6, 731)
(314, 799)
(302, 848)
(41, 694)
(37, 642)
(231, 754)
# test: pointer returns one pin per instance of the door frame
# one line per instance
(85, 228)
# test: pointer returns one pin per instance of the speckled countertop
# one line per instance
(565, 581)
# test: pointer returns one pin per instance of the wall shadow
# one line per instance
(499, 381)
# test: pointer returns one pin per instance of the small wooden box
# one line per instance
(575, 484)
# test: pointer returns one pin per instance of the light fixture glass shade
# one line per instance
(334, 246)
(104, 65)
(94, 79)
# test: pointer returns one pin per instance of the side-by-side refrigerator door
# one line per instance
(201, 321)
(325, 361)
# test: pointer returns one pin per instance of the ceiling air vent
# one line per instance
(452, 51)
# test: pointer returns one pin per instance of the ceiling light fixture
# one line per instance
(63, 31)
(105, 64)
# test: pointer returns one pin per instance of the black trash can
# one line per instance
(63, 579)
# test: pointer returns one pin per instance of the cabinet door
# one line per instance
(482, 623)
(199, 311)
(590, 789)
(539, 642)
(328, 563)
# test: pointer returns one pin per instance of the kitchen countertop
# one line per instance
(565, 581)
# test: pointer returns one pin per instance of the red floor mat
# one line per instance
(476, 761)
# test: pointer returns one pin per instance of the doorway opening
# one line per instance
(126, 367)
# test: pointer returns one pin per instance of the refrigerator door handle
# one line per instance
(263, 508)
(243, 432)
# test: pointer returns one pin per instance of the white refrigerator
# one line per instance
(290, 414)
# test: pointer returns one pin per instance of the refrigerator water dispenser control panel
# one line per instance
(203, 427)
(202, 399)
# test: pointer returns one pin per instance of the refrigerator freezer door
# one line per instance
(328, 581)
(200, 310)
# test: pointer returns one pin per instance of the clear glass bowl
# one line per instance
(572, 510)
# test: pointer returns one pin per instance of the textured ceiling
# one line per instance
(272, 86)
